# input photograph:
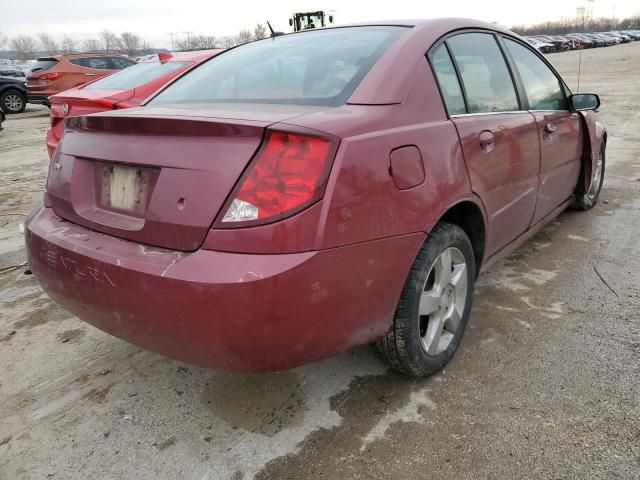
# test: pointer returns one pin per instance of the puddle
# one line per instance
(260, 403)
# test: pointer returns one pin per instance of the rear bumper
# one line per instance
(39, 99)
(226, 311)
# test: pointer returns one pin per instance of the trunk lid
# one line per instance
(156, 175)
(83, 102)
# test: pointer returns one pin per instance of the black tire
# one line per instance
(589, 199)
(13, 101)
(402, 346)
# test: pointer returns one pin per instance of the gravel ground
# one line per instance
(546, 384)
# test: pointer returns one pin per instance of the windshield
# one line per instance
(135, 76)
(317, 67)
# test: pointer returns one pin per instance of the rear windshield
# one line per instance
(320, 67)
(135, 76)
(43, 64)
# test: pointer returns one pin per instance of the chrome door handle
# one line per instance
(90, 74)
(550, 127)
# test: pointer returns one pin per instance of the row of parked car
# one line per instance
(79, 84)
(575, 41)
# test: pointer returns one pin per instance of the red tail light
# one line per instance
(288, 174)
(51, 76)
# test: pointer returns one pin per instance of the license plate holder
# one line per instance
(124, 188)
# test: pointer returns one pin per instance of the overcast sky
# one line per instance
(153, 19)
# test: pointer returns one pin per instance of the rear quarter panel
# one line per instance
(362, 202)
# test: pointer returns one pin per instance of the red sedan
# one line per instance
(304, 194)
(124, 89)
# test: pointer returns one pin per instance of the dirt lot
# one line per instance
(546, 384)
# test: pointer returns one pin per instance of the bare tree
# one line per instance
(184, 43)
(108, 40)
(244, 36)
(259, 32)
(146, 48)
(48, 43)
(3, 39)
(204, 42)
(227, 42)
(91, 45)
(578, 24)
(69, 45)
(129, 43)
(24, 45)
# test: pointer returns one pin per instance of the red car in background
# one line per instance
(124, 89)
(55, 74)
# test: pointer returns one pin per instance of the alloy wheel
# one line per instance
(13, 102)
(596, 180)
(443, 301)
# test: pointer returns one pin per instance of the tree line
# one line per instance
(128, 43)
(579, 24)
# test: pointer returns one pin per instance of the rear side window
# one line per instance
(97, 63)
(316, 67)
(43, 64)
(487, 82)
(448, 81)
(135, 76)
(118, 63)
(542, 87)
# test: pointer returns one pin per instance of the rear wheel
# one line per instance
(12, 101)
(586, 201)
(435, 304)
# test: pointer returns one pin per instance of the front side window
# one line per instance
(486, 78)
(316, 67)
(542, 87)
(448, 81)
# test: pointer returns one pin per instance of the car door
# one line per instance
(91, 68)
(499, 140)
(559, 130)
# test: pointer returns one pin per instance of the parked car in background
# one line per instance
(544, 47)
(11, 71)
(13, 95)
(559, 44)
(599, 41)
(624, 38)
(609, 39)
(585, 41)
(144, 58)
(55, 74)
(301, 195)
(635, 35)
(123, 89)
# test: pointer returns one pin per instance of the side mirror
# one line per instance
(291, 22)
(330, 18)
(584, 101)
